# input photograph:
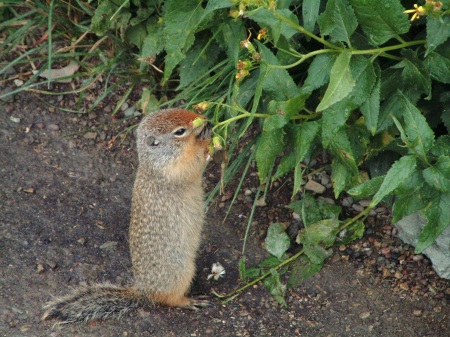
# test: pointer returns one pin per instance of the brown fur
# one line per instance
(167, 217)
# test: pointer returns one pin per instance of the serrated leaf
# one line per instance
(153, 43)
(277, 241)
(340, 176)
(276, 288)
(228, 35)
(344, 170)
(100, 22)
(305, 134)
(367, 188)
(438, 175)
(302, 270)
(438, 31)
(276, 82)
(438, 216)
(439, 67)
(420, 136)
(287, 163)
(338, 20)
(213, 5)
(399, 171)
(414, 72)
(268, 146)
(408, 203)
(197, 62)
(281, 112)
(370, 109)
(341, 81)
(310, 13)
(318, 72)
(353, 232)
(381, 20)
(336, 115)
(181, 19)
(265, 18)
(317, 237)
(441, 146)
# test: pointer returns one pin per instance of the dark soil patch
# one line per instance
(64, 211)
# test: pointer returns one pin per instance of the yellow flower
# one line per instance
(418, 11)
(262, 34)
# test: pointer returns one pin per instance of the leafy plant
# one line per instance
(355, 79)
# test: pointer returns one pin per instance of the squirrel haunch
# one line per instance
(167, 217)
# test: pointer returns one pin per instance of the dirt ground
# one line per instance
(64, 209)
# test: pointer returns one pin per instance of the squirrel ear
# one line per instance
(151, 141)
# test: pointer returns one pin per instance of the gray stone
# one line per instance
(409, 229)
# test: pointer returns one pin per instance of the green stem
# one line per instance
(303, 58)
(262, 277)
(304, 31)
(388, 48)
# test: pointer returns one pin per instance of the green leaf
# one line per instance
(438, 216)
(287, 163)
(281, 112)
(101, 22)
(338, 20)
(229, 34)
(336, 115)
(441, 146)
(411, 196)
(317, 237)
(268, 146)
(213, 5)
(340, 176)
(381, 20)
(276, 82)
(277, 241)
(197, 62)
(367, 188)
(438, 31)
(276, 288)
(439, 67)
(344, 169)
(353, 232)
(420, 135)
(438, 175)
(302, 269)
(181, 19)
(370, 109)
(318, 72)
(153, 43)
(399, 171)
(414, 72)
(310, 13)
(307, 209)
(265, 18)
(305, 134)
(341, 81)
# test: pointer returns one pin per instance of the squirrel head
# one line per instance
(170, 145)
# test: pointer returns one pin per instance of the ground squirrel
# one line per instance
(167, 216)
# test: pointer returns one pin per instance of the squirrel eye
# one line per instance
(180, 132)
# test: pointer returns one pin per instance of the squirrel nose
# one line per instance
(206, 132)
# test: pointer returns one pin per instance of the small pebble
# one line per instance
(90, 135)
(365, 315)
(417, 313)
(53, 127)
(347, 202)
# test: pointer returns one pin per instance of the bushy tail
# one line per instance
(100, 301)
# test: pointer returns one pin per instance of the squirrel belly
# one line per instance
(167, 217)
